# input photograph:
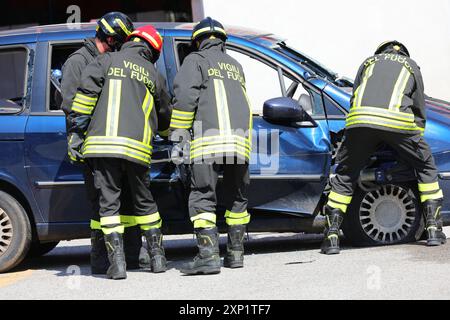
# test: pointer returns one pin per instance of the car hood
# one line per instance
(438, 125)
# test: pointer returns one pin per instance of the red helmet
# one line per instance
(150, 35)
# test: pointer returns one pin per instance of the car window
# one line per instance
(331, 108)
(59, 54)
(13, 66)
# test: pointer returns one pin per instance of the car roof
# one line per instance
(68, 30)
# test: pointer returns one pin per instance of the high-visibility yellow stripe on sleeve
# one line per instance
(79, 108)
(86, 100)
(180, 124)
(182, 115)
(147, 107)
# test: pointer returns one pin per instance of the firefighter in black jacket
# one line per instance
(210, 99)
(387, 106)
(112, 30)
(121, 103)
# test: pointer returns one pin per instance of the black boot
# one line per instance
(207, 261)
(118, 267)
(333, 223)
(235, 247)
(158, 262)
(99, 256)
(132, 243)
(433, 218)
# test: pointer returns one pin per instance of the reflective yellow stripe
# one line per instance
(154, 217)
(81, 109)
(147, 107)
(179, 124)
(128, 142)
(369, 71)
(123, 150)
(153, 226)
(123, 27)
(205, 216)
(202, 30)
(434, 196)
(112, 119)
(107, 26)
(183, 115)
(222, 107)
(203, 224)
(399, 88)
(342, 207)
(109, 220)
(340, 198)
(382, 122)
(237, 218)
(425, 187)
(128, 221)
(88, 101)
(250, 120)
(373, 111)
(95, 225)
(220, 143)
(119, 229)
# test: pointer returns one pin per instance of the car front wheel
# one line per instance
(387, 215)
(15, 232)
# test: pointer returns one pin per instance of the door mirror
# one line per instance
(286, 111)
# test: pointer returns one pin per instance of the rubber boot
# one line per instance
(99, 256)
(158, 262)
(433, 218)
(235, 247)
(207, 261)
(118, 266)
(330, 244)
(132, 243)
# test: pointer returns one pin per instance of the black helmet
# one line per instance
(116, 25)
(208, 26)
(393, 45)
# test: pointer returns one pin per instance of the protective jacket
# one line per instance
(388, 94)
(121, 103)
(210, 98)
(72, 70)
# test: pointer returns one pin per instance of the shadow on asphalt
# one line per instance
(66, 259)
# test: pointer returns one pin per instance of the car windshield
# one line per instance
(311, 64)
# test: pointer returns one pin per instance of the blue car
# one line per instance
(299, 109)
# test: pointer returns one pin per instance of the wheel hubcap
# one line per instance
(388, 214)
(6, 231)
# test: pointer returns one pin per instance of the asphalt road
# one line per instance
(277, 266)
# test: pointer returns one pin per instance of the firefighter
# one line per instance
(210, 102)
(121, 103)
(112, 30)
(387, 106)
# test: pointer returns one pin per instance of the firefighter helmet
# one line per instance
(392, 45)
(208, 26)
(150, 35)
(116, 25)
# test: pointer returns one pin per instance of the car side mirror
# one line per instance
(286, 111)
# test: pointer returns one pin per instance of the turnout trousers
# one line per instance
(357, 147)
(203, 198)
(114, 177)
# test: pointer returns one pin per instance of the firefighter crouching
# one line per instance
(210, 101)
(121, 103)
(387, 106)
(112, 31)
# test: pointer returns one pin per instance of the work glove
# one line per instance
(74, 148)
(181, 139)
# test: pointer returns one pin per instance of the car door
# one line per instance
(290, 165)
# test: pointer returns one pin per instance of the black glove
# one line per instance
(74, 148)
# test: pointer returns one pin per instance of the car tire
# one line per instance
(15, 232)
(38, 249)
(388, 215)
